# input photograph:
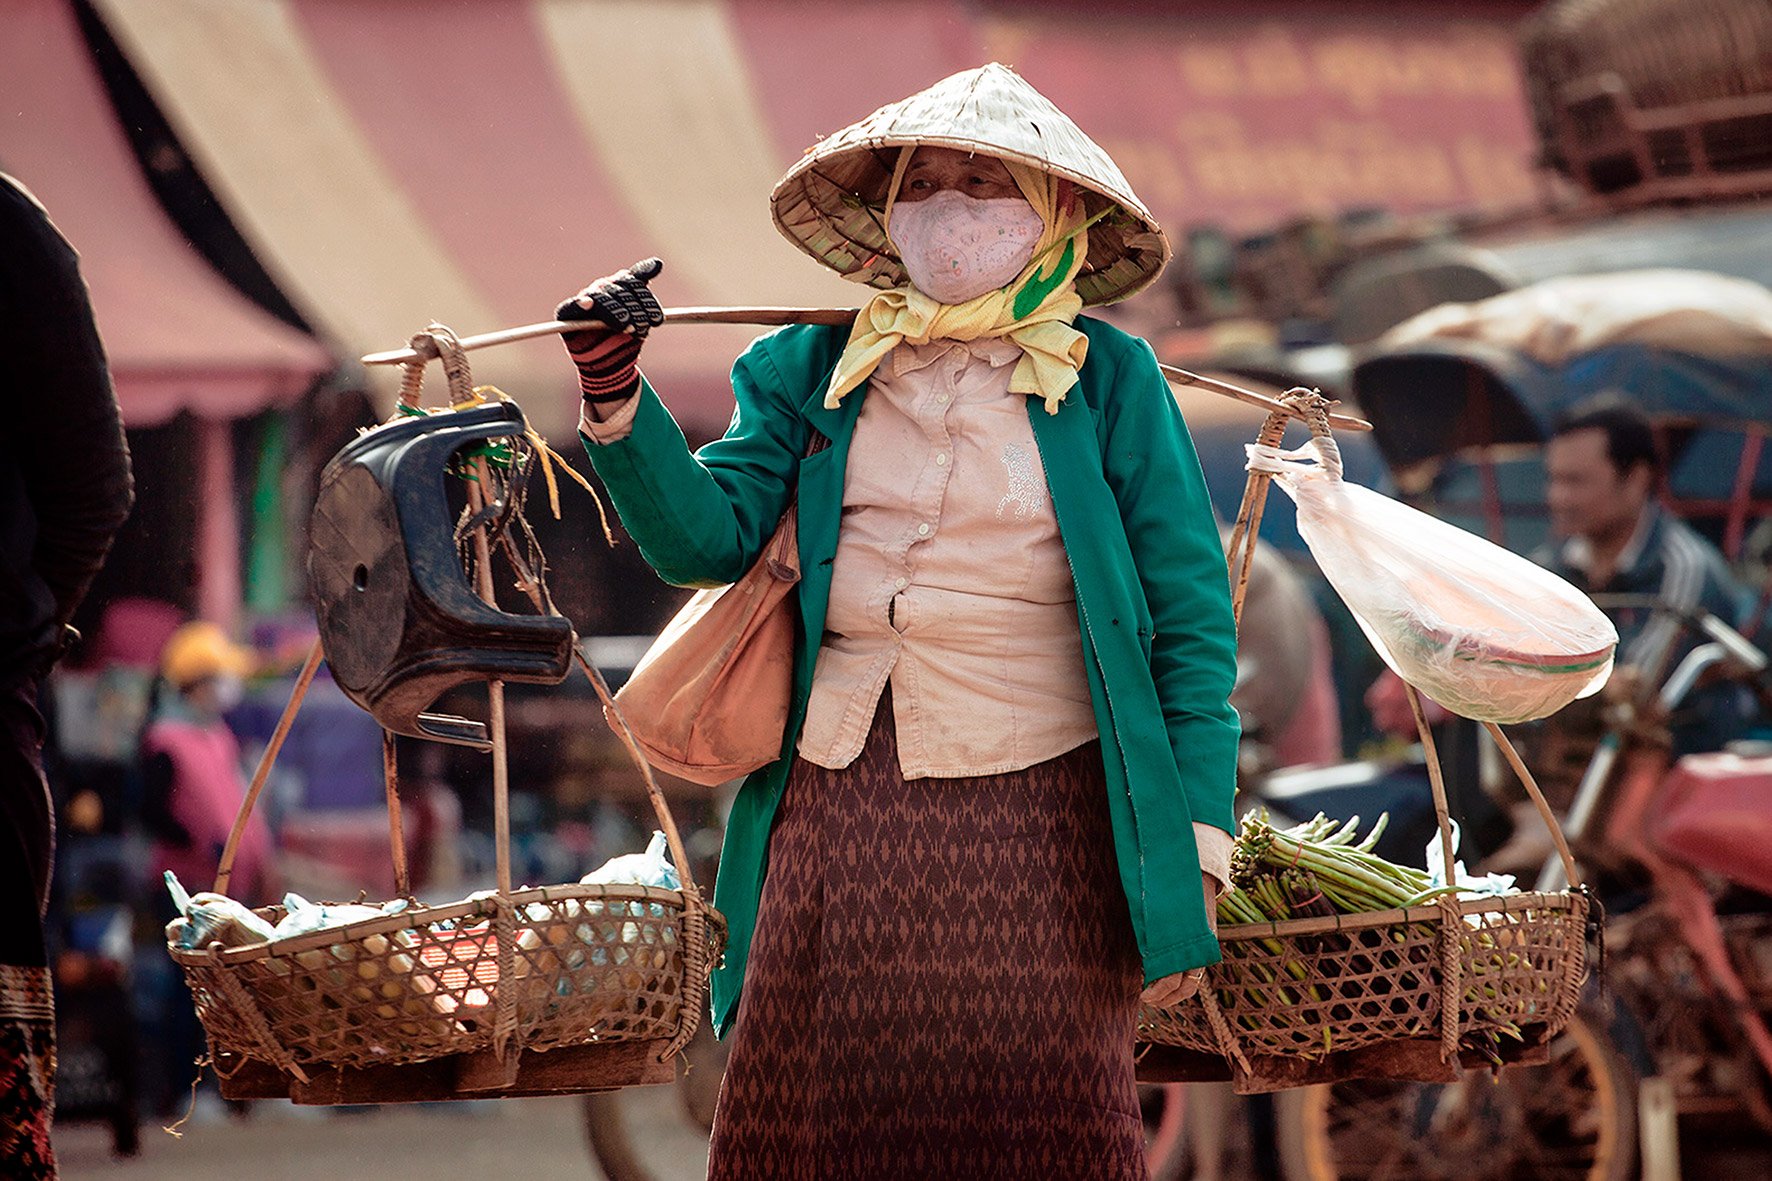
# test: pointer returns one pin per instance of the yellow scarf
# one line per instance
(1035, 310)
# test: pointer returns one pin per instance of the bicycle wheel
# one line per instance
(1163, 1106)
(651, 1134)
(1572, 1119)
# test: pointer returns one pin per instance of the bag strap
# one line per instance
(783, 549)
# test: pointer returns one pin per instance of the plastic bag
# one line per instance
(301, 917)
(651, 868)
(212, 918)
(1478, 628)
(1490, 885)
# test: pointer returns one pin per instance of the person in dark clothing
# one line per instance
(1603, 469)
(65, 489)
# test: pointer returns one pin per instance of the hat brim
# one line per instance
(831, 203)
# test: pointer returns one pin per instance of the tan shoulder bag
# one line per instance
(709, 700)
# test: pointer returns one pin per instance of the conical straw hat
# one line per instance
(831, 203)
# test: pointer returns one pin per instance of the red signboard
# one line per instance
(1235, 114)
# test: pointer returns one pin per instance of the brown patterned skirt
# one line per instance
(943, 981)
(27, 1073)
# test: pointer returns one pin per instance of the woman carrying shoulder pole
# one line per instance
(1002, 811)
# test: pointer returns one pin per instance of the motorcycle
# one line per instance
(1678, 1031)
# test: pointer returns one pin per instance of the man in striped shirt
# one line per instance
(1603, 469)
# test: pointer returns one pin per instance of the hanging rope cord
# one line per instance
(511, 472)
(1265, 455)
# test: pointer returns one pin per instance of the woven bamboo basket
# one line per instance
(1386, 994)
(505, 977)
(1407, 994)
(549, 990)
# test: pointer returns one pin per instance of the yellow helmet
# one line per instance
(200, 650)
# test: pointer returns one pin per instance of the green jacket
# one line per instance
(1152, 598)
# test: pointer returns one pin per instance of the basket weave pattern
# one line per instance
(558, 966)
(1309, 987)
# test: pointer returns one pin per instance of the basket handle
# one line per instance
(1544, 809)
(654, 793)
(1315, 410)
(531, 586)
(390, 774)
(436, 341)
(1436, 781)
(225, 870)
(1297, 402)
(1441, 813)
(1241, 553)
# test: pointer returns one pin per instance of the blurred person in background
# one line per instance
(192, 779)
(65, 489)
(192, 787)
(1603, 471)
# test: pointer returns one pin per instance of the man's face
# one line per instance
(934, 169)
(1587, 495)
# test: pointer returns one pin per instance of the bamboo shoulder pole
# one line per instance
(776, 316)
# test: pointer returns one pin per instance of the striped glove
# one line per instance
(624, 310)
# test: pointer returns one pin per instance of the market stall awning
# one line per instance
(398, 161)
(178, 337)
(393, 164)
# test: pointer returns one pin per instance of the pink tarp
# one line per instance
(177, 335)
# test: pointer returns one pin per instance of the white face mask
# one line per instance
(957, 248)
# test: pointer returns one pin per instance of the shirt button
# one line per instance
(941, 399)
(899, 583)
(923, 530)
(941, 460)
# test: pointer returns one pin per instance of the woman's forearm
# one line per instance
(699, 518)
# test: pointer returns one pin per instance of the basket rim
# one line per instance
(484, 906)
(1569, 900)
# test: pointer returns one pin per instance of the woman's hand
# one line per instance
(1172, 990)
(619, 310)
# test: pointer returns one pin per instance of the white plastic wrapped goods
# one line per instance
(651, 868)
(563, 937)
(1478, 628)
(301, 917)
(212, 918)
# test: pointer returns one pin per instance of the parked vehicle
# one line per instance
(1680, 1028)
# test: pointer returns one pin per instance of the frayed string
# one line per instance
(203, 1062)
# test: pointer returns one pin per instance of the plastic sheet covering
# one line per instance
(1478, 628)
(1552, 321)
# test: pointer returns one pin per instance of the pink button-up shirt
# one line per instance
(950, 581)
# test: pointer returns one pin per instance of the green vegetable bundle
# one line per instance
(1316, 869)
